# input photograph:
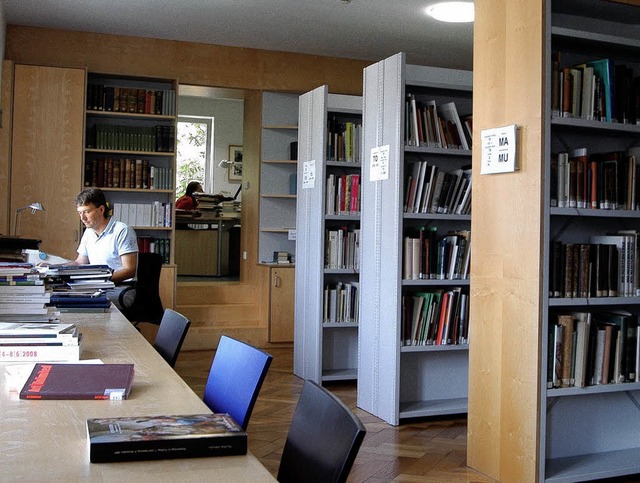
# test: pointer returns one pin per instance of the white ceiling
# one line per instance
(359, 29)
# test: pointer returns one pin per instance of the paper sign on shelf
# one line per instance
(291, 235)
(308, 174)
(498, 150)
(379, 163)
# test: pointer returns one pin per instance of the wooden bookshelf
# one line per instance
(121, 192)
(277, 201)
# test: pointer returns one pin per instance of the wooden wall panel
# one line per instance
(190, 62)
(6, 102)
(506, 252)
(46, 166)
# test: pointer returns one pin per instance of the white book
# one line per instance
(26, 329)
(419, 186)
(41, 353)
(583, 325)
(426, 199)
(450, 113)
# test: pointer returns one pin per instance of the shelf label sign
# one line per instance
(308, 174)
(498, 150)
(379, 163)
(291, 235)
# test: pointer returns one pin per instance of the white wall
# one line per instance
(228, 121)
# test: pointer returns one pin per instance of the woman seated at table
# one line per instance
(188, 201)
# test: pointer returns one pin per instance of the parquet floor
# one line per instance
(421, 451)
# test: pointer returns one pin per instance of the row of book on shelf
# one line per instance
(113, 172)
(342, 249)
(607, 266)
(429, 189)
(605, 181)
(149, 244)
(598, 89)
(435, 317)
(343, 194)
(344, 139)
(155, 214)
(120, 137)
(340, 302)
(101, 97)
(426, 255)
(593, 348)
(428, 124)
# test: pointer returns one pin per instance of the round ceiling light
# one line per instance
(451, 11)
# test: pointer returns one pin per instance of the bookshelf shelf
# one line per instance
(278, 168)
(279, 196)
(280, 161)
(129, 153)
(339, 375)
(423, 380)
(281, 127)
(589, 432)
(600, 389)
(436, 407)
(134, 190)
(139, 183)
(434, 348)
(326, 330)
(128, 115)
(435, 282)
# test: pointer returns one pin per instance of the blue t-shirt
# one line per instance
(117, 239)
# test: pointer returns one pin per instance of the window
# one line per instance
(195, 148)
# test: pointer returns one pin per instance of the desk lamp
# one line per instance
(33, 207)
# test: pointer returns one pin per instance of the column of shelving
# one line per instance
(399, 379)
(328, 237)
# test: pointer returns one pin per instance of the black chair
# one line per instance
(235, 378)
(323, 440)
(171, 334)
(141, 302)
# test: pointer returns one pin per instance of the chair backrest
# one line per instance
(170, 336)
(235, 378)
(146, 305)
(323, 440)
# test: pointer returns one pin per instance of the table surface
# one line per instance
(46, 440)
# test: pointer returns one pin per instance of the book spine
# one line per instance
(41, 353)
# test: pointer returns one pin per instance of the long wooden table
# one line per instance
(46, 440)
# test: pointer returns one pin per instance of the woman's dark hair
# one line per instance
(94, 196)
(192, 187)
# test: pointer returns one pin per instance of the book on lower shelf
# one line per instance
(162, 437)
(79, 381)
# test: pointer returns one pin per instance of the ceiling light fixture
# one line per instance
(451, 11)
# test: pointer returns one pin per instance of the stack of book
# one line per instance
(82, 278)
(22, 290)
(24, 342)
(12, 248)
(76, 301)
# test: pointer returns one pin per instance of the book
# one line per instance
(79, 381)
(161, 437)
(36, 330)
(42, 352)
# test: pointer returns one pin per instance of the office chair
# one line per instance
(323, 440)
(171, 334)
(141, 302)
(235, 378)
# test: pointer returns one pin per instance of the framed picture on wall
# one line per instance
(235, 168)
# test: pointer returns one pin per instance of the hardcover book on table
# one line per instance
(163, 437)
(79, 381)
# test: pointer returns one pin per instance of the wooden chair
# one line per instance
(323, 440)
(171, 334)
(235, 378)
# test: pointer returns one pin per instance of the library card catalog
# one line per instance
(379, 163)
(308, 174)
(498, 150)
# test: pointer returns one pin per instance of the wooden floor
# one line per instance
(424, 451)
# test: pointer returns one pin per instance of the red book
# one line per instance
(443, 317)
(79, 381)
